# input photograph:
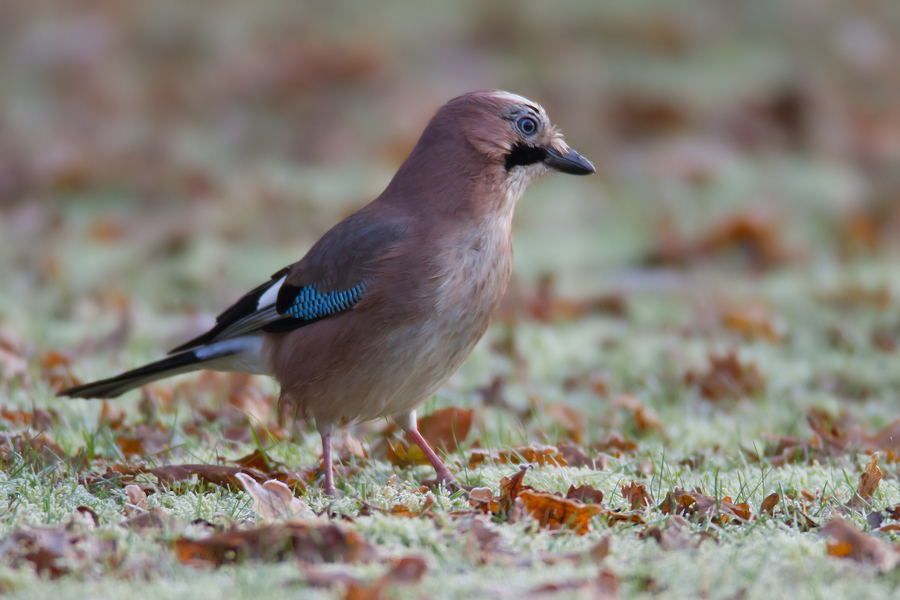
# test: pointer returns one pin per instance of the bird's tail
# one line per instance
(240, 354)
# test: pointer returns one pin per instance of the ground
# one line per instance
(706, 331)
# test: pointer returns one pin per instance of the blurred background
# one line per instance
(161, 158)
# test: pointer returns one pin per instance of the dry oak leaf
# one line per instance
(585, 493)
(575, 457)
(554, 512)
(727, 378)
(540, 455)
(645, 418)
(311, 542)
(260, 461)
(697, 503)
(676, 534)
(753, 322)
(769, 503)
(444, 428)
(215, 474)
(594, 555)
(636, 495)
(408, 569)
(868, 485)
(850, 542)
(137, 500)
(54, 552)
(273, 500)
(510, 487)
(56, 370)
(616, 444)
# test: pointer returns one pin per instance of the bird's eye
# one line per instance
(526, 125)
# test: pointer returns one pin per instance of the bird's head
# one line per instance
(516, 135)
(488, 136)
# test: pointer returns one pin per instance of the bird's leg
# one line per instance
(443, 473)
(330, 490)
(407, 422)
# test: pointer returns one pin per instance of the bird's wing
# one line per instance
(332, 278)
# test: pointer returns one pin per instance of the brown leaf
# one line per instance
(570, 422)
(55, 552)
(850, 542)
(616, 444)
(575, 457)
(868, 485)
(645, 418)
(137, 500)
(585, 493)
(111, 416)
(594, 555)
(260, 461)
(249, 399)
(154, 519)
(753, 322)
(309, 542)
(769, 503)
(273, 500)
(554, 512)
(727, 378)
(755, 237)
(56, 370)
(511, 487)
(636, 495)
(442, 429)
(13, 365)
(445, 427)
(215, 474)
(675, 535)
(540, 455)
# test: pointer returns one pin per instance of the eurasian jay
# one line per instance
(388, 304)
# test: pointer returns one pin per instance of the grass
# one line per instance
(186, 164)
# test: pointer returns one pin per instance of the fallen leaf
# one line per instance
(727, 378)
(444, 428)
(554, 512)
(868, 485)
(850, 542)
(585, 493)
(55, 552)
(215, 474)
(753, 322)
(258, 460)
(273, 500)
(636, 495)
(769, 503)
(137, 500)
(675, 534)
(155, 519)
(594, 555)
(575, 457)
(616, 444)
(56, 370)
(645, 418)
(311, 542)
(755, 237)
(540, 455)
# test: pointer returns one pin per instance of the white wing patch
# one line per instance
(271, 294)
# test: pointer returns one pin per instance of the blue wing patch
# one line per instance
(304, 305)
(310, 304)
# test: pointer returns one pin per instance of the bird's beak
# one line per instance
(568, 161)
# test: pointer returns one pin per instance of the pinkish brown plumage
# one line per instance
(390, 302)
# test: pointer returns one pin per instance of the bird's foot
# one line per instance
(331, 492)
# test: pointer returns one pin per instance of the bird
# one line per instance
(389, 303)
